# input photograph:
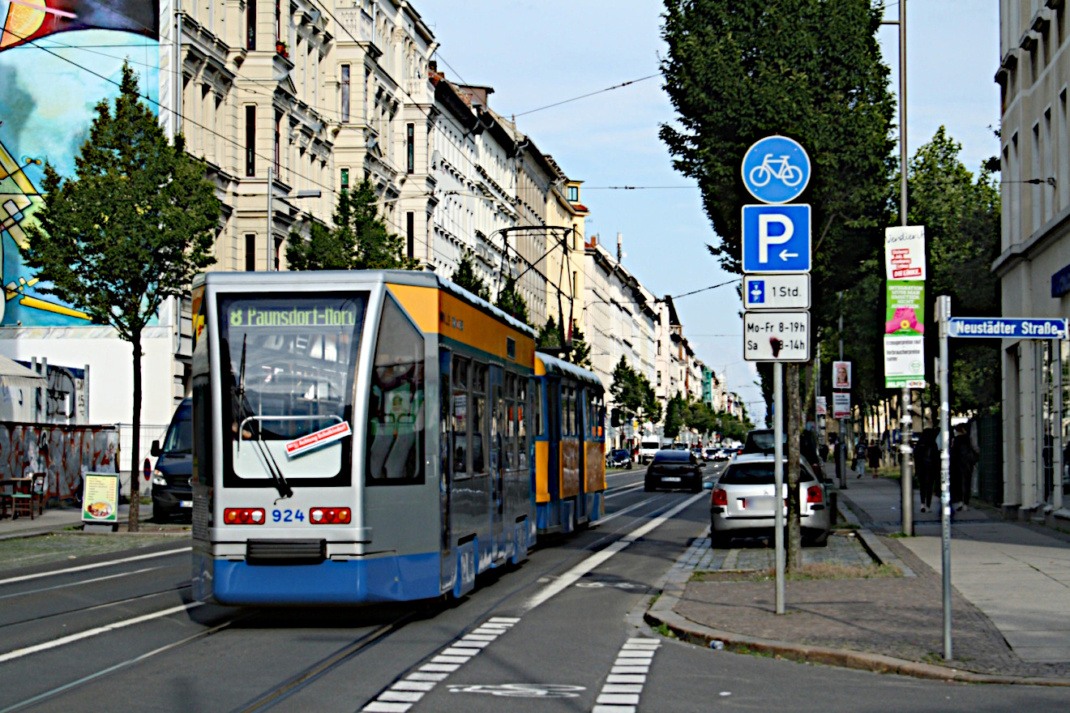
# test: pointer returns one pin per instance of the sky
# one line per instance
(538, 53)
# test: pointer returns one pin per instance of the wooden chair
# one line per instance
(39, 492)
(22, 504)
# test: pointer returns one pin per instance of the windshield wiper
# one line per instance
(285, 491)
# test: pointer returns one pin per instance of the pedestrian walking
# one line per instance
(964, 455)
(927, 466)
(859, 462)
(873, 454)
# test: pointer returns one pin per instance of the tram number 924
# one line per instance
(287, 516)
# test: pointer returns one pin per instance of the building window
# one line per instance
(250, 24)
(345, 93)
(345, 178)
(278, 252)
(250, 141)
(410, 231)
(659, 378)
(410, 148)
(573, 194)
(278, 139)
(250, 252)
(278, 21)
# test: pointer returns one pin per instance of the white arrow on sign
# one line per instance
(784, 254)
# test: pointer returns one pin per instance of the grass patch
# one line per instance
(898, 534)
(807, 573)
(664, 630)
(654, 598)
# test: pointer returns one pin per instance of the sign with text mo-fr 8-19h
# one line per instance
(776, 336)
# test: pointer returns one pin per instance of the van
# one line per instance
(172, 488)
(648, 448)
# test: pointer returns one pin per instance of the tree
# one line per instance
(739, 70)
(511, 302)
(359, 239)
(579, 351)
(465, 275)
(675, 413)
(129, 229)
(550, 336)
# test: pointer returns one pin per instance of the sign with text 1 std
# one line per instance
(841, 404)
(776, 292)
(776, 238)
(776, 336)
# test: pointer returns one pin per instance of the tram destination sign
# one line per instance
(1007, 328)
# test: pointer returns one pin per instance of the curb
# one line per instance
(661, 613)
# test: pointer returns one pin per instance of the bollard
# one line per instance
(834, 508)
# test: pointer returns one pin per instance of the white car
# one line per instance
(648, 448)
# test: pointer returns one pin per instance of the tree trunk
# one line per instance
(794, 413)
(135, 446)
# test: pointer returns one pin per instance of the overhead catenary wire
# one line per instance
(589, 94)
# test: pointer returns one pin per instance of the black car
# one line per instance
(619, 458)
(674, 469)
(761, 441)
(172, 490)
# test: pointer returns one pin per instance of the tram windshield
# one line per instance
(288, 366)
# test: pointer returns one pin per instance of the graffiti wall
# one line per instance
(64, 452)
(58, 60)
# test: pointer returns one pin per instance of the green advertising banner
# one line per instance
(904, 329)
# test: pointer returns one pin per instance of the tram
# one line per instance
(371, 436)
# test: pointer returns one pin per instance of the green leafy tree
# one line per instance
(359, 239)
(739, 70)
(465, 275)
(626, 390)
(579, 351)
(512, 302)
(129, 229)
(550, 336)
(675, 414)
(651, 405)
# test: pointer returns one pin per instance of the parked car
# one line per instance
(172, 489)
(673, 468)
(742, 502)
(648, 448)
(724, 453)
(679, 446)
(710, 454)
(619, 458)
(761, 441)
(697, 452)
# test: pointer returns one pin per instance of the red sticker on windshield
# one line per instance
(314, 440)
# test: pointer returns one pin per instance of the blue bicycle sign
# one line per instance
(776, 169)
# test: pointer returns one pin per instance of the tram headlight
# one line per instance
(158, 479)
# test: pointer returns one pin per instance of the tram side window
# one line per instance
(395, 444)
(570, 411)
(521, 422)
(510, 421)
(538, 426)
(479, 421)
(460, 417)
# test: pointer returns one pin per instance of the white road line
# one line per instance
(573, 575)
(78, 584)
(98, 565)
(19, 653)
(624, 684)
(625, 511)
(406, 693)
(622, 490)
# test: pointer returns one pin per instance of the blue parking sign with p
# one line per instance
(776, 238)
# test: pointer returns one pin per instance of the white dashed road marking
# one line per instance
(403, 694)
(624, 684)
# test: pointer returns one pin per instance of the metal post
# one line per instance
(1057, 431)
(778, 480)
(943, 313)
(906, 469)
(270, 216)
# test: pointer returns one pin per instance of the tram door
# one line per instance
(581, 426)
(497, 455)
(445, 485)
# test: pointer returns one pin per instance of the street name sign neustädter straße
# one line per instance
(1007, 328)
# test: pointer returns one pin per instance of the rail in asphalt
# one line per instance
(98, 565)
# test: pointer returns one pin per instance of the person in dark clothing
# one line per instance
(927, 466)
(873, 455)
(963, 457)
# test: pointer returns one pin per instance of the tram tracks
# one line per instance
(94, 607)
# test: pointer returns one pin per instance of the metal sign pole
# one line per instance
(943, 314)
(778, 480)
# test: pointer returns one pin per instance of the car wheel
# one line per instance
(697, 486)
(647, 486)
(719, 540)
(629, 466)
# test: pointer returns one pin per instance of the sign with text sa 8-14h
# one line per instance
(776, 336)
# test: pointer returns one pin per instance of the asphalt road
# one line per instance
(562, 632)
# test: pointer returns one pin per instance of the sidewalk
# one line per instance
(1010, 599)
(68, 517)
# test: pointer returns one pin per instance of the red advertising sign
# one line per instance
(314, 440)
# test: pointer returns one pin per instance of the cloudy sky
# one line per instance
(539, 53)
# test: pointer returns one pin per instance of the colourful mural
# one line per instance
(58, 59)
(66, 453)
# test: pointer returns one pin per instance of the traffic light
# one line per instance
(614, 418)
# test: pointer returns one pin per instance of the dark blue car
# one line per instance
(172, 491)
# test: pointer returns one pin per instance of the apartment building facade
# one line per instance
(1034, 260)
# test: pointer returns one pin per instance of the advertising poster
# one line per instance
(822, 406)
(905, 309)
(841, 375)
(904, 253)
(904, 318)
(904, 362)
(841, 404)
(100, 499)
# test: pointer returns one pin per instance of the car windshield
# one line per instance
(675, 457)
(620, 453)
(756, 474)
(180, 435)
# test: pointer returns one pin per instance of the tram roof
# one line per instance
(560, 366)
(341, 277)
